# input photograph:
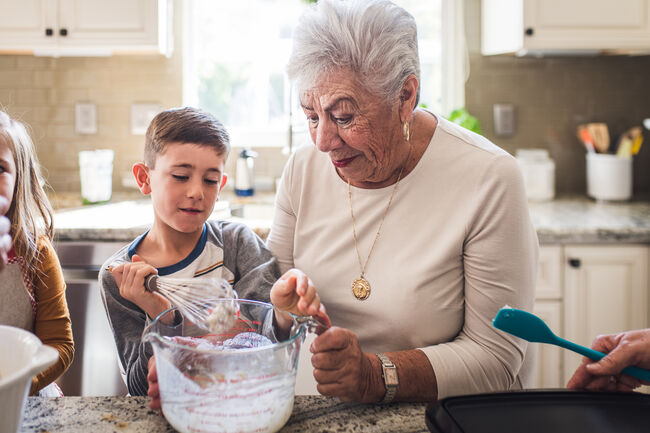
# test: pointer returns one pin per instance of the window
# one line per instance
(235, 54)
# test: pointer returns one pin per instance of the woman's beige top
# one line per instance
(40, 307)
(457, 245)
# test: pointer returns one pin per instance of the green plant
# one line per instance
(462, 117)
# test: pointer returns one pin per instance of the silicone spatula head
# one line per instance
(524, 325)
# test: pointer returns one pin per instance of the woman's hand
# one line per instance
(294, 292)
(154, 390)
(343, 370)
(5, 237)
(130, 279)
(630, 348)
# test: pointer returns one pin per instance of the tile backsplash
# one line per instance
(42, 93)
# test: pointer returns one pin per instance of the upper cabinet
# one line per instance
(85, 27)
(559, 26)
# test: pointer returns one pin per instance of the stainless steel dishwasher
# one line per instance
(95, 370)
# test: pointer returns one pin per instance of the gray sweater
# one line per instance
(247, 264)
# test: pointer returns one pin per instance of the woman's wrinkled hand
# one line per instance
(154, 389)
(342, 369)
(630, 348)
(294, 292)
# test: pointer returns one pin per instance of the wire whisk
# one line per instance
(197, 299)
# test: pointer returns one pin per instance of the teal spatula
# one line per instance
(525, 325)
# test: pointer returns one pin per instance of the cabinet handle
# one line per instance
(63, 32)
(529, 31)
(574, 263)
(49, 32)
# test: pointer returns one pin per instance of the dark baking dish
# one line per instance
(541, 411)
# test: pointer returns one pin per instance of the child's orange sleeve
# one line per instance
(52, 324)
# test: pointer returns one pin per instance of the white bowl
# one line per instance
(22, 355)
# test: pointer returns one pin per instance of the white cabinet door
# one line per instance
(116, 22)
(85, 27)
(523, 26)
(586, 24)
(549, 272)
(548, 368)
(606, 291)
(27, 23)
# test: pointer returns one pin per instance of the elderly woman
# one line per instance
(413, 230)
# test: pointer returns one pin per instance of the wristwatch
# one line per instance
(389, 373)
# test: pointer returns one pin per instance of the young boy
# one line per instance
(183, 171)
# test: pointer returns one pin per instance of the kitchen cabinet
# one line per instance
(85, 27)
(584, 291)
(558, 26)
(606, 291)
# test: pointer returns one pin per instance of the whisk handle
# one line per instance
(151, 283)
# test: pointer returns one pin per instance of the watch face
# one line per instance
(390, 376)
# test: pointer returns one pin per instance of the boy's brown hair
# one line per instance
(184, 125)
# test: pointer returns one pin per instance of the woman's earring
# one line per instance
(407, 131)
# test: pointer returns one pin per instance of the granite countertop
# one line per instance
(580, 220)
(564, 220)
(132, 415)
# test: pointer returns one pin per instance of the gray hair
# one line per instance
(376, 39)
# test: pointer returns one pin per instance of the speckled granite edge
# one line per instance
(556, 236)
(132, 414)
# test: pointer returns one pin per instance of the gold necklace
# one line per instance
(361, 286)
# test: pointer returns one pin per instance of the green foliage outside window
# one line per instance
(462, 117)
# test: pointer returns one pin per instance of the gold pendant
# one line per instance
(361, 288)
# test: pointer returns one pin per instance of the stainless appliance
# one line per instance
(95, 370)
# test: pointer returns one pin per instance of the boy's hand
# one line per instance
(294, 292)
(130, 279)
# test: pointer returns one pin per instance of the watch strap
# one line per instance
(389, 374)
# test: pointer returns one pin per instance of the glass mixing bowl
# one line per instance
(239, 379)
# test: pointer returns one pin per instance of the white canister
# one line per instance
(538, 171)
(609, 177)
(96, 172)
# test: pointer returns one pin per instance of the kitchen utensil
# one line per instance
(630, 142)
(624, 148)
(540, 411)
(196, 298)
(636, 146)
(525, 325)
(600, 136)
(242, 379)
(586, 139)
(22, 356)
